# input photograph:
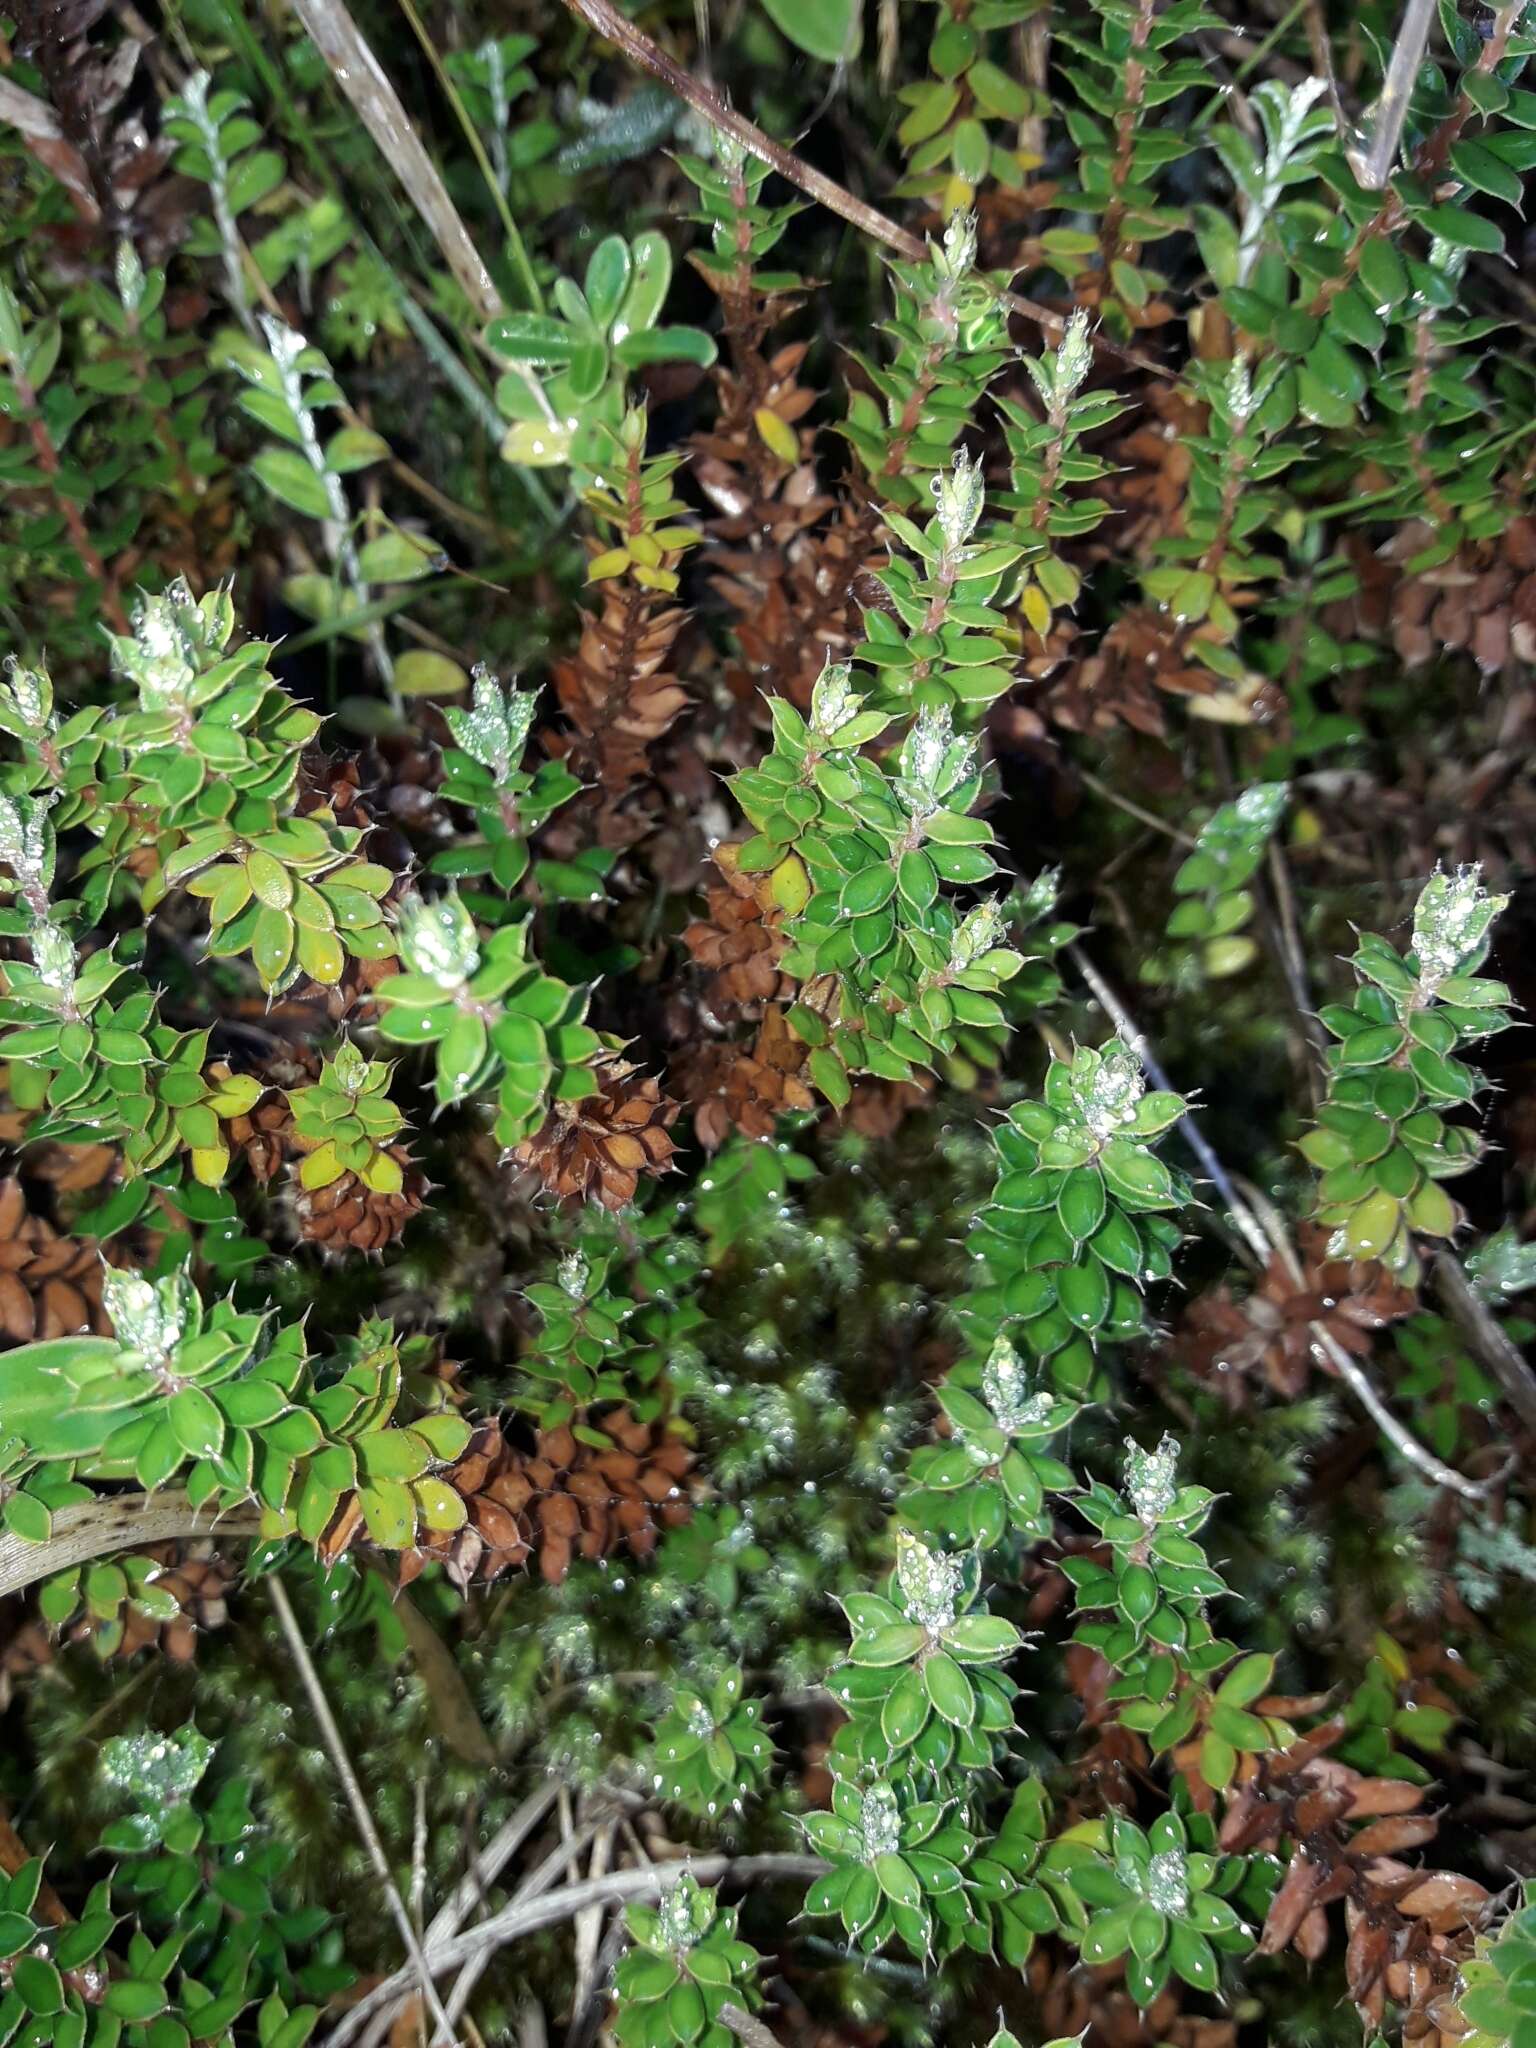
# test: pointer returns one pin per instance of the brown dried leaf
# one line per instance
(1292, 1903)
(1386, 1837)
(1445, 1900)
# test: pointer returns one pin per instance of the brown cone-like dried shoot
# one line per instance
(559, 1499)
(600, 1148)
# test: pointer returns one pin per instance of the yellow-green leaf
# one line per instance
(320, 1167)
(421, 673)
(320, 955)
(790, 885)
(777, 435)
(382, 1175)
(536, 444)
(440, 1506)
(209, 1165)
(390, 1513)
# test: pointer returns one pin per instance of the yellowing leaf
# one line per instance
(320, 955)
(421, 673)
(778, 436)
(790, 886)
(382, 1175)
(1372, 1227)
(236, 1096)
(1391, 1654)
(536, 444)
(1432, 1210)
(355, 448)
(210, 1166)
(440, 1506)
(397, 557)
(1227, 956)
(1036, 609)
(611, 562)
(320, 1167)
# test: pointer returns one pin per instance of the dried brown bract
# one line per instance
(1269, 1338)
(559, 1500)
(600, 1148)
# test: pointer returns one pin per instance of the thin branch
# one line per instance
(1429, 162)
(475, 401)
(418, 1896)
(464, 1989)
(589, 1931)
(747, 2029)
(605, 19)
(1322, 58)
(1360, 1385)
(1516, 1381)
(489, 1864)
(1396, 93)
(48, 462)
(1357, 1380)
(1034, 47)
(565, 1856)
(455, 98)
(569, 1851)
(1286, 936)
(451, 509)
(331, 1736)
(362, 78)
(621, 1887)
(587, 2014)
(1253, 56)
(1126, 1026)
(1134, 810)
(118, 1521)
(450, 1917)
